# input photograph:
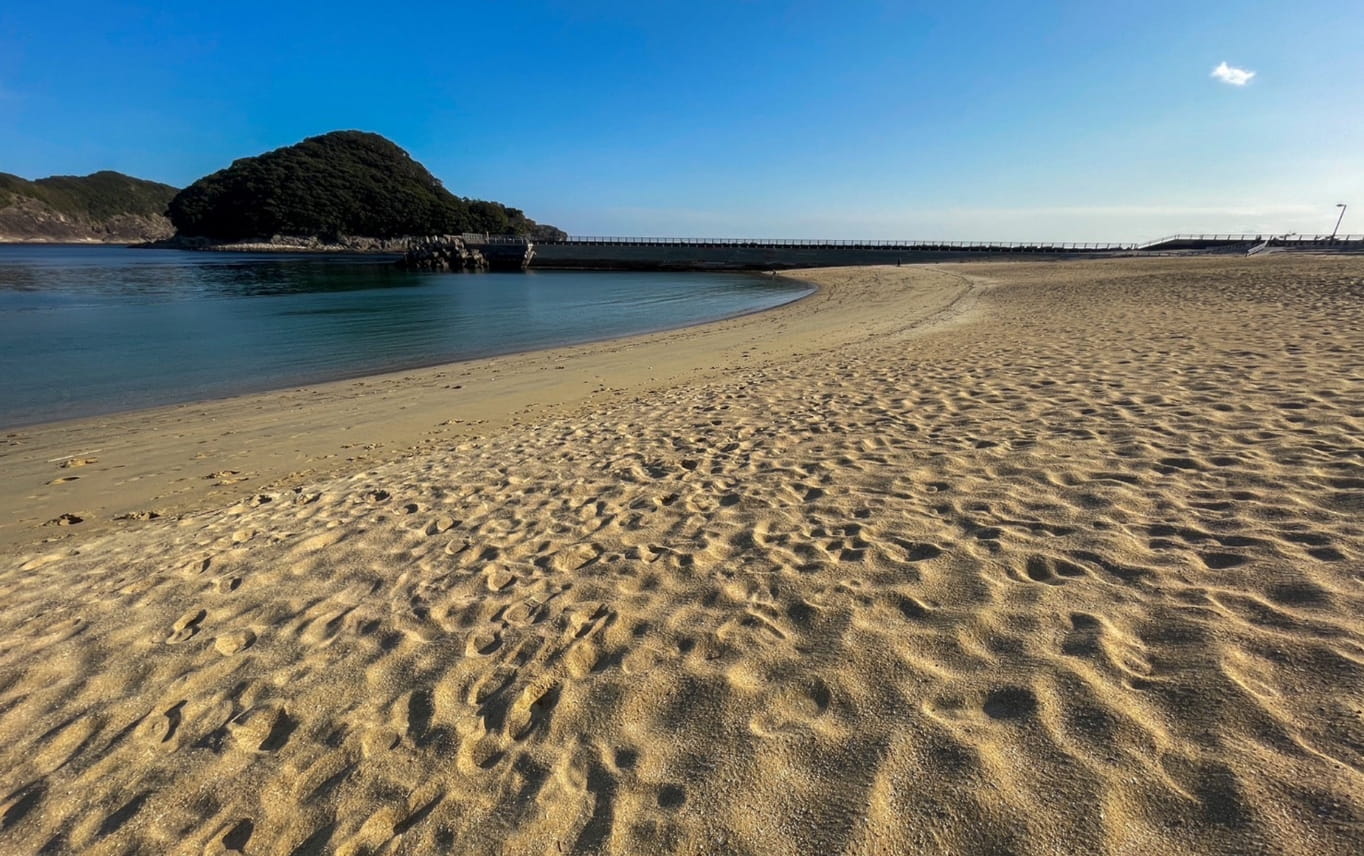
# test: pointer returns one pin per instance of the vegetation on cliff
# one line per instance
(102, 206)
(338, 184)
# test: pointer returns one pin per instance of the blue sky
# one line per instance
(991, 120)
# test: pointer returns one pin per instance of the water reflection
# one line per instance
(95, 272)
(85, 330)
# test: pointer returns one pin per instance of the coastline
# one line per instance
(285, 245)
(63, 242)
(395, 367)
(850, 576)
(159, 461)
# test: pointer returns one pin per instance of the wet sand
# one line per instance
(977, 558)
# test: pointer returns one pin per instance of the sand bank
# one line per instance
(117, 470)
(1012, 559)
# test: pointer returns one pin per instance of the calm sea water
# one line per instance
(89, 330)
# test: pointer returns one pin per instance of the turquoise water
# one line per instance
(91, 330)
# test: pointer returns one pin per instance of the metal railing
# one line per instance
(1283, 239)
(818, 243)
(908, 246)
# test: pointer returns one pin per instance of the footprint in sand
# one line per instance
(1051, 571)
(525, 612)
(324, 628)
(497, 578)
(792, 709)
(233, 642)
(186, 626)
(1222, 561)
(1326, 554)
(441, 524)
(264, 728)
(1304, 595)
(575, 557)
(582, 618)
(531, 708)
(379, 739)
(328, 771)
(671, 797)
(414, 624)
(478, 750)
(1010, 704)
(488, 684)
(917, 551)
(583, 658)
(481, 643)
(235, 836)
(1083, 638)
(907, 607)
(160, 728)
(413, 715)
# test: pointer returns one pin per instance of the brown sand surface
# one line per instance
(114, 471)
(1013, 559)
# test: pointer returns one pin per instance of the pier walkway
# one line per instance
(663, 253)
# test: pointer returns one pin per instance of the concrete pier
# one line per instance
(510, 252)
(740, 254)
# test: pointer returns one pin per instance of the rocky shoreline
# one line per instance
(434, 253)
(30, 222)
(281, 244)
(101, 208)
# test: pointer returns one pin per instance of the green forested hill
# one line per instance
(345, 183)
(102, 206)
(98, 196)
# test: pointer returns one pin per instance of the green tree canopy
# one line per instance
(91, 198)
(342, 183)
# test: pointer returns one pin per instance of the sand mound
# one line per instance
(1067, 559)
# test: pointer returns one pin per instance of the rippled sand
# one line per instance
(1015, 559)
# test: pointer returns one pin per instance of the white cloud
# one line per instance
(1233, 75)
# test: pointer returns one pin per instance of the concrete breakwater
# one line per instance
(474, 252)
(587, 253)
(569, 255)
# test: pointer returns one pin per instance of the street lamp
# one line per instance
(1342, 206)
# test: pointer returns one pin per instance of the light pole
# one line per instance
(1342, 206)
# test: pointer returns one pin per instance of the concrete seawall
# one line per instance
(696, 257)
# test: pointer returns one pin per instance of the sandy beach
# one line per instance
(980, 559)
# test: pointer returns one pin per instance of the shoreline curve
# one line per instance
(178, 459)
(1003, 558)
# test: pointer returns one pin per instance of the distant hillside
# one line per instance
(106, 206)
(345, 183)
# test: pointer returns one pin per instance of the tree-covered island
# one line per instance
(331, 187)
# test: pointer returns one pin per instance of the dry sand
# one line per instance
(1023, 559)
